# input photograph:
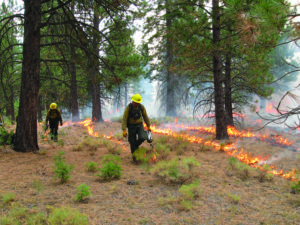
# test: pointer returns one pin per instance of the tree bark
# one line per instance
(75, 110)
(39, 113)
(227, 82)
(170, 100)
(26, 133)
(221, 126)
(96, 109)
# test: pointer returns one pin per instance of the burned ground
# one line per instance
(225, 196)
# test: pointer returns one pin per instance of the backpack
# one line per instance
(135, 113)
(54, 115)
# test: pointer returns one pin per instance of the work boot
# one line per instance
(134, 159)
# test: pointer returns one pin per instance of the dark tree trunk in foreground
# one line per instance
(221, 126)
(170, 100)
(96, 110)
(227, 82)
(26, 132)
(75, 110)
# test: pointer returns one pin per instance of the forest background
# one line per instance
(208, 59)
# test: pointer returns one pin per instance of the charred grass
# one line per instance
(218, 192)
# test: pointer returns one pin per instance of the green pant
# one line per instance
(136, 136)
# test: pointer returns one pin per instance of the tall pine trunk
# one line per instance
(227, 84)
(170, 100)
(75, 110)
(96, 101)
(221, 126)
(26, 132)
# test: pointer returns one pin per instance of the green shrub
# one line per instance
(234, 198)
(190, 191)
(91, 166)
(263, 173)
(36, 219)
(5, 136)
(8, 197)
(296, 187)
(67, 216)
(82, 191)
(175, 171)
(62, 170)
(162, 150)
(145, 155)
(110, 171)
(232, 161)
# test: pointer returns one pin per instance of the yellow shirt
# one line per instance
(131, 120)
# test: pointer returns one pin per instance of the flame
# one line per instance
(229, 149)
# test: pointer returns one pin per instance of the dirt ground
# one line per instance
(146, 202)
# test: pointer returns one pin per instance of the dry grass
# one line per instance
(224, 198)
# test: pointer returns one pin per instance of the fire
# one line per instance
(229, 149)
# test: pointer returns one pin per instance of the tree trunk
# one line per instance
(170, 100)
(12, 106)
(227, 82)
(75, 110)
(96, 110)
(221, 126)
(26, 132)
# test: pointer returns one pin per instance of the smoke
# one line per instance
(277, 157)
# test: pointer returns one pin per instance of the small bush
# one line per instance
(5, 136)
(89, 144)
(234, 198)
(8, 197)
(68, 216)
(162, 150)
(37, 219)
(110, 171)
(62, 170)
(263, 173)
(190, 191)
(175, 171)
(145, 155)
(232, 162)
(91, 166)
(82, 191)
(111, 158)
(296, 187)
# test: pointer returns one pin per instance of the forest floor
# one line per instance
(226, 195)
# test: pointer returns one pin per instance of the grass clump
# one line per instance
(38, 185)
(8, 197)
(62, 170)
(264, 173)
(65, 215)
(177, 171)
(83, 191)
(91, 166)
(234, 198)
(145, 155)
(89, 143)
(162, 151)
(111, 168)
(190, 191)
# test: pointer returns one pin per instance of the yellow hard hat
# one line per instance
(137, 98)
(53, 106)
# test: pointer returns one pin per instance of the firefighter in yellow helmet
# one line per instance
(133, 117)
(54, 117)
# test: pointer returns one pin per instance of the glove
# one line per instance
(149, 129)
(124, 133)
(61, 123)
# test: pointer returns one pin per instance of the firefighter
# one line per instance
(133, 117)
(54, 117)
